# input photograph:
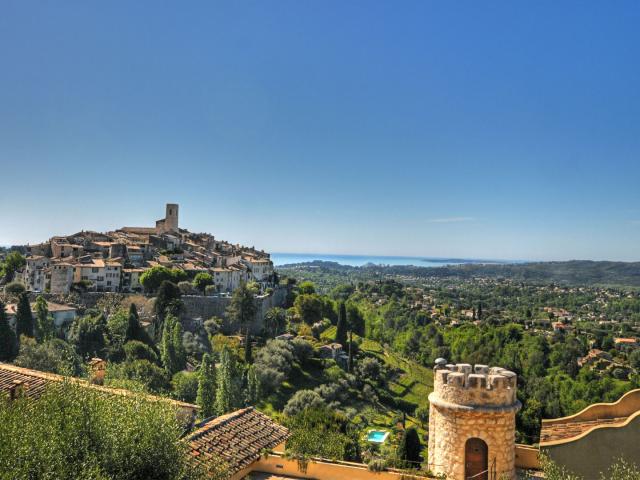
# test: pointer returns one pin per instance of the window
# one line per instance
(94, 270)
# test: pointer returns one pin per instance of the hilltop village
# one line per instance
(310, 371)
(116, 261)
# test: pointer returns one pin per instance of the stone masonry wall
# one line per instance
(468, 405)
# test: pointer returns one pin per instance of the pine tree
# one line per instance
(341, 328)
(206, 397)
(24, 317)
(227, 384)
(252, 392)
(45, 328)
(167, 351)
(180, 353)
(8, 341)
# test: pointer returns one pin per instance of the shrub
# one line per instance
(136, 350)
(303, 400)
(185, 386)
(55, 356)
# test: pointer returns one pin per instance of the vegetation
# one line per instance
(77, 433)
(8, 340)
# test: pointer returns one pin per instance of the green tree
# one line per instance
(341, 327)
(185, 386)
(14, 290)
(45, 328)
(178, 346)
(55, 356)
(78, 433)
(242, 309)
(275, 321)
(355, 320)
(13, 262)
(306, 288)
(8, 340)
(167, 346)
(202, 280)
(409, 448)
(135, 331)
(24, 317)
(252, 392)
(167, 300)
(228, 394)
(309, 307)
(303, 400)
(248, 358)
(153, 278)
(117, 335)
(137, 350)
(206, 395)
(87, 334)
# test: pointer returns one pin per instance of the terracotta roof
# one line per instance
(238, 438)
(561, 431)
(35, 381)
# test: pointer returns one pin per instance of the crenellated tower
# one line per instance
(472, 422)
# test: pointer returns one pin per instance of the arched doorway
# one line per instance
(476, 459)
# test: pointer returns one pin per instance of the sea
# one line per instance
(280, 259)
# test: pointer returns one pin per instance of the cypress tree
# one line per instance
(409, 448)
(227, 386)
(167, 351)
(134, 328)
(8, 341)
(45, 328)
(206, 397)
(178, 347)
(248, 359)
(341, 328)
(24, 317)
(479, 310)
(252, 392)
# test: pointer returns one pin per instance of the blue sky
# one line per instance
(499, 129)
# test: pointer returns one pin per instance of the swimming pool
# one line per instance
(377, 436)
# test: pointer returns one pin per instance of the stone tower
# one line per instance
(472, 422)
(171, 217)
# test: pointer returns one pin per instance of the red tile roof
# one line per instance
(238, 438)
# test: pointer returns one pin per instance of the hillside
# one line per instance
(406, 387)
(574, 272)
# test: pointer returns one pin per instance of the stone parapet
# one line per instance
(477, 404)
(480, 385)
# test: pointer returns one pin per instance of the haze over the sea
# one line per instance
(280, 259)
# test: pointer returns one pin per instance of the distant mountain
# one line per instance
(574, 272)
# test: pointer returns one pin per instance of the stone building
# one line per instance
(169, 223)
(472, 422)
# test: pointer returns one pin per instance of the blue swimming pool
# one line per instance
(377, 436)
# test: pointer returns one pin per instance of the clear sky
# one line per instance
(498, 129)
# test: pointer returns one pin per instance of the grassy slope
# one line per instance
(412, 384)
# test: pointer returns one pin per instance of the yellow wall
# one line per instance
(595, 451)
(325, 470)
(527, 457)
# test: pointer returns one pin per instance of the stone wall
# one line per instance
(467, 405)
(207, 307)
(196, 306)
